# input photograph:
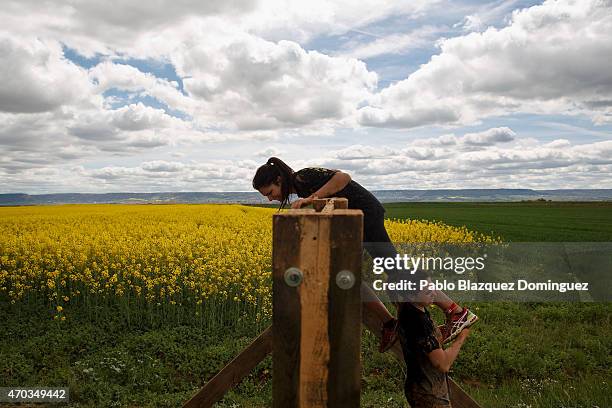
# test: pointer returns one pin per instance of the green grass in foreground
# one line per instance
(518, 354)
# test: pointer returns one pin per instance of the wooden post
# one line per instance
(316, 308)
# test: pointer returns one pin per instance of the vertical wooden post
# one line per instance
(317, 308)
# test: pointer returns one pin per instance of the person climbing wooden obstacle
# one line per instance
(277, 181)
(316, 332)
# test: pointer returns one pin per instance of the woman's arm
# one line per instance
(335, 184)
(444, 359)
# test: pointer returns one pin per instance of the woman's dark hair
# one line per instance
(269, 172)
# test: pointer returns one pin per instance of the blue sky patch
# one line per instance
(73, 55)
(119, 98)
(159, 69)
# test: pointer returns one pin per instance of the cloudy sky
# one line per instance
(126, 95)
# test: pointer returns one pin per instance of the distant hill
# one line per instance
(256, 198)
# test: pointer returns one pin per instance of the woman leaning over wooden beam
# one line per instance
(277, 181)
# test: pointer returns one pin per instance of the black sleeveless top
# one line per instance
(309, 180)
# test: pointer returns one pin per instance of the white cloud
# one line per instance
(487, 15)
(162, 166)
(301, 21)
(53, 113)
(37, 78)
(473, 23)
(421, 164)
(362, 152)
(94, 128)
(268, 152)
(490, 136)
(238, 79)
(105, 27)
(251, 83)
(161, 175)
(425, 164)
(253, 78)
(393, 43)
(558, 144)
(108, 75)
(139, 117)
(131, 26)
(471, 140)
(119, 124)
(551, 58)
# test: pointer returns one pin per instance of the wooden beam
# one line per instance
(233, 372)
(286, 343)
(344, 385)
(329, 204)
(317, 333)
(319, 203)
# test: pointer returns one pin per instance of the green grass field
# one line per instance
(518, 355)
(519, 222)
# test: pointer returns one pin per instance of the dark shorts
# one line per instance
(418, 399)
(375, 238)
(377, 243)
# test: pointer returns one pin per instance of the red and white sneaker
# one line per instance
(388, 335)
(457, 322)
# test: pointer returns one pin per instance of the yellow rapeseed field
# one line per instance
(212, 260)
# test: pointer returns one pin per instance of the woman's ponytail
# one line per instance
(269, 173)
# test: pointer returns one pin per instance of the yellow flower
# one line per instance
(194, 256)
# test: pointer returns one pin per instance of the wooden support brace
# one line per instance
(234, 372)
